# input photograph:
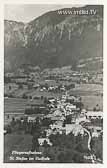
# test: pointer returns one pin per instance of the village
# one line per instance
(50, 105)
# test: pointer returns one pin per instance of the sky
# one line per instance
(27, 12)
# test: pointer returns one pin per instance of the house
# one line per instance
(75, 129)
(95, 134)
(31, 119)
(71, 98)
(5, 132)
(82, 118)
(48, 132)
(57, 125)
(42, 140)
(70, 107)
(58, 118)
(83, 111)
(53, 126)
(35, 86)
(94, 128)
(57, 113)
(67, 112)
(52, 100)
(69, 128)
(94, 115)
(9, 74)
(78, 129)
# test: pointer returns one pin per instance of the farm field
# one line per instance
(91, 94)
(14, 105)
(91, 101)
(19, 104)
(39, 93)
(87, 89)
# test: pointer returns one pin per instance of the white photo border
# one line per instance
(44, 165)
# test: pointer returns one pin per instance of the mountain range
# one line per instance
(56, 40)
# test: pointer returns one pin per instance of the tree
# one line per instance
(45, 100)
(68, 120)
(78, 158)
(78, 138)
(46, 122)
(94, 109)
(20, 86)
(10, 87)
(79, 105)
(24, 96)
(29, 86)
(45, 144)
(66, 156)
(35, 143)
(42, 97)
(9, 130)
(61, 157)
(13, 122)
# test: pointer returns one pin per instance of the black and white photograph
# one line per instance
(53, 83)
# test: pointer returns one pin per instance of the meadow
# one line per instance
(16, 142)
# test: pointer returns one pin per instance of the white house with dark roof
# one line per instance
(94, 115)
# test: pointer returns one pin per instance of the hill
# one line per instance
(56, 40)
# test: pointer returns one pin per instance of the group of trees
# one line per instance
(15, 126)
(97, 147)
(28, 127)
(66, 148)
(36, 129)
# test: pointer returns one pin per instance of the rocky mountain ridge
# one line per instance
(54, 40)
